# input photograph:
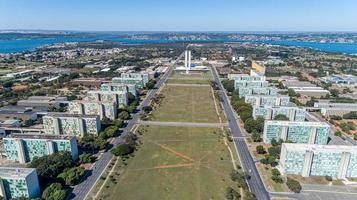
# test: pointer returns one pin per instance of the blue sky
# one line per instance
(183, 15)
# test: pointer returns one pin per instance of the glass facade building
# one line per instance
(71, 124)
(337, 161)
(297, 132)
(268, 112)
(119, 97)
(100, 108)
(131, 88)
(245, 91)
(19, 182)
(24, 148)
(267, 100)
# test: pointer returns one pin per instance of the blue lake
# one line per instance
(14, 46)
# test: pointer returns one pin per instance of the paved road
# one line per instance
(193, 124)
(81, 190)
(255, 183)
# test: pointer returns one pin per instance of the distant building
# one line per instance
(120, 88)
(245, 77)
(101, 108)
(339, 109)
(269, 112)
(19, 182)
(340, 79)
(10, 123)
(245, 91)
(267, 100)
(298, 132)
(240, 84)
(336, 161)
(119, 97)
(139, 79)
(21, 113)
(21, 74)
(43, 101)
(24, 148)
(310, 91)
(71, 124)
(258, 69)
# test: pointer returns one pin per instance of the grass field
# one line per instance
(186, 104)
(193, 78)
(174, 163)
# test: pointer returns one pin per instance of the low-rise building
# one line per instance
(297, 132)
(19, 182)
(341, 79)
(24, 147)
(339, 109)
(119, 97)
(71, 124)
(244, 91)
(267, 100)
(269, 112)
(104, 109)
(21, 113)
(336, 161)
(43, 101)
(310, 91)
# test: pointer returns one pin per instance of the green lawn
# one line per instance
(174, 163)
(186, 104)
(188, 81)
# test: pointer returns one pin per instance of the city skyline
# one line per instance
(182, 15)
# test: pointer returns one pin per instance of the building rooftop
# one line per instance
(14, 172)
(267, 96)
(296, 83)
(296, 123)
(90, 101)
(40, 136)
(23, 109)
(60, 114)
(323, 148)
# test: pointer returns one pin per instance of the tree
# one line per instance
(281, 117)
(334, 92)
(54, 192)
(123, 115)
(274, 151)
(274, 142)
(228, 85)
(335, 117)
(350, 115)
(256, 137)
(49, 166)
(147, 109)
(110, 131)
(338, 133)
(92, 142)
(232, 194)
(85, 158)
(293, 185)
(122, 150)
(260, 149)
(151, 84)
(71, 176)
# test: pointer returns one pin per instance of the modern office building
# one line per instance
(297, 132)
(240, 84)
(244, 91)
(101, 108)
(267, 100)
(139, 79)
(19, 182)
(245, 77)
(120, 88)
(25, 147)
(71, 124)
(269, 112)
(119, 97)
(337, 161)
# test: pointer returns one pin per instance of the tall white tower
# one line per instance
(189, 60)
(186, 55)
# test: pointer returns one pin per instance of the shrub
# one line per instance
(260, 149)
(328, 178)
(232, 194)
(293, 185)
(338, 133)
(123, 150)
(256, 137)
(275, 172)
(277, 179)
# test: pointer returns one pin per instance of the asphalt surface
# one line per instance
(187, 124)
(254, 182)
(81, 190)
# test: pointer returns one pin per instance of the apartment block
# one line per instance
(267, 100)
(19, 182)
(101, 108)
(245, 77)
(119, 97)
(245, 91)
(337, 161)
(139, 79)
(25, 147)
(242, 83)
(131, 88)
(297, 132)
(71, 124)
(269, 112)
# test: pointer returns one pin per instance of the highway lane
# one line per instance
(81, 190)
(254, 182)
